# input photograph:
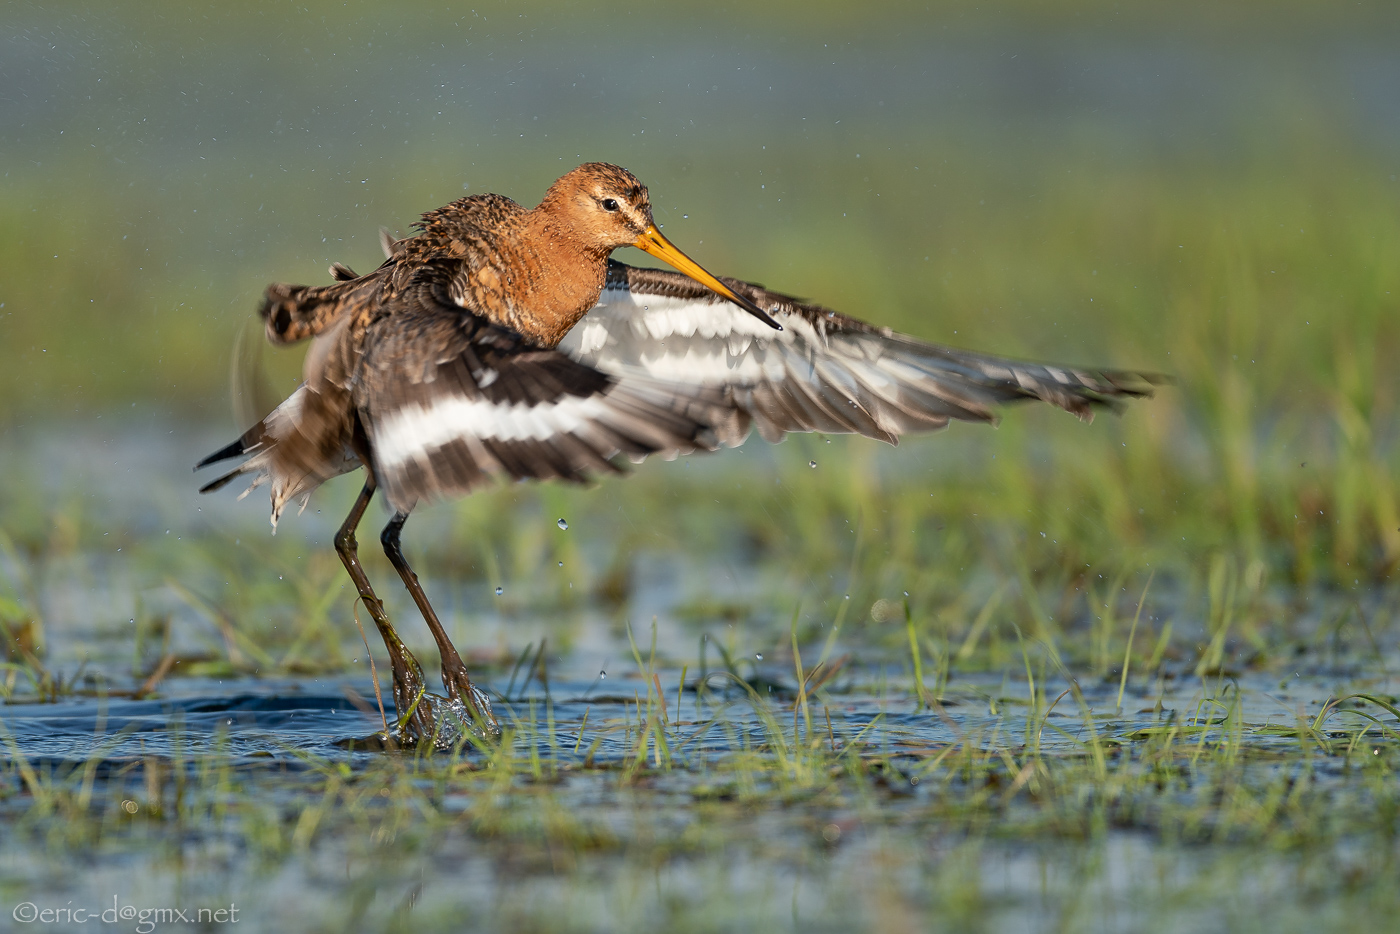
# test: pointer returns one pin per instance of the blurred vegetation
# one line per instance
(1252, 259)
(1267, 288)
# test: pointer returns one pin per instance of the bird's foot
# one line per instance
(475, 707)
(414, 707)
(436, 722)
(439, 723)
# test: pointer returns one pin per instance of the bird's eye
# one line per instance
(609, 204)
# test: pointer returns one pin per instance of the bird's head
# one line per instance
(604, 207)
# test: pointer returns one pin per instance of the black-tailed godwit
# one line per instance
(504, 342)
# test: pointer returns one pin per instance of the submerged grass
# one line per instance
(851, 824)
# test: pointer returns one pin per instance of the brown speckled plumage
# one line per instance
(536, 272)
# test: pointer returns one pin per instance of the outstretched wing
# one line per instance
(823, 372)
(449, 400)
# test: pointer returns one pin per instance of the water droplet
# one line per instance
(758, 655)
(500, 590)
(563, 524)
(602, 676)
(812, 464)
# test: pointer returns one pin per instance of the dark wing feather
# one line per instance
(823, 372)
(449, 401)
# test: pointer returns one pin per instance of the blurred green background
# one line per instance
(1207, 190)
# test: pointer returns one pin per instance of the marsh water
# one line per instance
(669, 725)
(278, 723)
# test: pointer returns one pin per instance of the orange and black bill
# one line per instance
(652, 242)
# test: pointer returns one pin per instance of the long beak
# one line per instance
(652, 242)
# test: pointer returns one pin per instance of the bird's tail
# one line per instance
(301, 444)
(293, 313)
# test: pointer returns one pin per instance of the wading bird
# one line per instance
(504, 342)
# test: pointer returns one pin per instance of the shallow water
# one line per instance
(279, 720)
(828, 863)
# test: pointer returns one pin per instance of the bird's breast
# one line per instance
(536, 291)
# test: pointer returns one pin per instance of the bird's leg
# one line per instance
(410, 688)
(454, 672)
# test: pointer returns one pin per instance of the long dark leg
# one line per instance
(454, 673)
(410, 688)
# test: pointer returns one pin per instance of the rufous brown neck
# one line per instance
(562, 280)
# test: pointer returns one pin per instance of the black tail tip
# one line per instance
(220, 483)
(233, 449)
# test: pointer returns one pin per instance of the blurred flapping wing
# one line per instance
(823, 372)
